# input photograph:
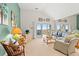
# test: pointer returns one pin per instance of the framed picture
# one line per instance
(47, 19)
(40, 19)
(13, 19)
(5, 19)
(4, 14)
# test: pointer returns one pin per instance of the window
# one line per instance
(58, 26)
(38, 26)
(66, 27)
(3, 14)
(44, 26)
(39, 29)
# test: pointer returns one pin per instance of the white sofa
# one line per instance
(66, 48)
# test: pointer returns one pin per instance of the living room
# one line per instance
(41, 25)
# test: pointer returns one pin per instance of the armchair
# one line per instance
(11, 52)
(48, 39)
(15, 50)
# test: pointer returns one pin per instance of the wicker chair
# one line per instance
(11, 52)
(10, 49)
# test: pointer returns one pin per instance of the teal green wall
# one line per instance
(15, 8)
(78, 22)
(4, 30)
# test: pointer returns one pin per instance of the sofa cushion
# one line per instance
(68, 38)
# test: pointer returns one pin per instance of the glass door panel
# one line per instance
(39, 30)
(43, 29)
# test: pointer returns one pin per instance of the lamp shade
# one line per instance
(16, 30)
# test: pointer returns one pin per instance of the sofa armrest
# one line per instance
(61, 46)
(62, 43)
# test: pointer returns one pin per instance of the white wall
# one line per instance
(71, 20)
(29, 17)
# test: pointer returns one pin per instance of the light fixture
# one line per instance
(36, 8)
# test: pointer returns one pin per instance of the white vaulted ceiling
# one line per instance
(57, 10)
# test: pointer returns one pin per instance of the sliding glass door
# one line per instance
(39, 30)
(43, 29)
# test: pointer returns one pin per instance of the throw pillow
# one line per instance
(68, 38)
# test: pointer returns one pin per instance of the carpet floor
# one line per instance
(39, 48)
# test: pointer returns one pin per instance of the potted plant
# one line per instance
(27, 32)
